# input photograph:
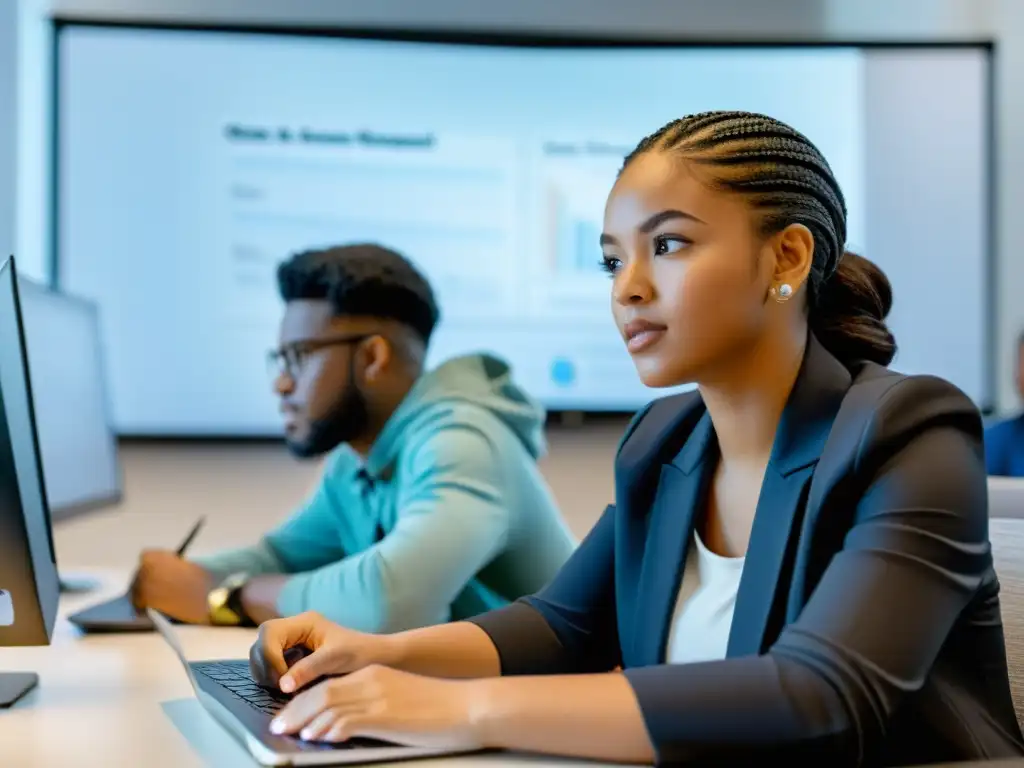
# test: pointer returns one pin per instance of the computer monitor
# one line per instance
(81, 466)
(29, 589)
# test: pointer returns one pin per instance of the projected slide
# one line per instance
(442, 199)
(192, 163)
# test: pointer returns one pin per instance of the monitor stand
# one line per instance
(14, 685)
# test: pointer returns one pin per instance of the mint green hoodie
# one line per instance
(448, 516)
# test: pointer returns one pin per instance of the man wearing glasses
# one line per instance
(431, 506)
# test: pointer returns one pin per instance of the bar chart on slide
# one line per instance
(573, 234)
(574, 186)
(575, 206)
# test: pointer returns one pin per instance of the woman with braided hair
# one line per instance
(797, 562)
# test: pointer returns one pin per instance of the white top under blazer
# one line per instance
(704, 607)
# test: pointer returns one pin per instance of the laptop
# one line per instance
(227, 691)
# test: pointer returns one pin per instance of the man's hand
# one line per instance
(293, 653)
(173, 586)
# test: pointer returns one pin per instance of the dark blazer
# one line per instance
(866, 630)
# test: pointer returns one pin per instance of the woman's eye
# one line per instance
(610, 264)
(664, 245)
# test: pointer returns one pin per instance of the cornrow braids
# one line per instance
(788, 181)
(784, 174)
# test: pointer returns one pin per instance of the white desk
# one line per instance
(123, 701)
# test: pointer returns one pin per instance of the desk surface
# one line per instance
(122, 701)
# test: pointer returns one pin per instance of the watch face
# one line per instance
(221, 611)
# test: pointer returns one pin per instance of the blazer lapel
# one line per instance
(765, 572)
(654, 439)
(681, 487)
(805, 425)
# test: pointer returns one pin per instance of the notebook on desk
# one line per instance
(227, 691)
(117, 615)
(120, 614)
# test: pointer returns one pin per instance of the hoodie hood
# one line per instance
(481, 379)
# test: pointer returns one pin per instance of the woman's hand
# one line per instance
(294, 652)
(381, 703)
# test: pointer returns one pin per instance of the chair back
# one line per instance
(1006, 532)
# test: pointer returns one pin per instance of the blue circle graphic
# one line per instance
(563, 372)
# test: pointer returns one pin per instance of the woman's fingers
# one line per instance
(339, 695)
(267, 656)
(345, 728)
(302, 710)
(318, 727)
(308, 668)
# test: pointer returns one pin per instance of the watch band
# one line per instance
(235, 605)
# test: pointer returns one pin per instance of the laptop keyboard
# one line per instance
(235, 677)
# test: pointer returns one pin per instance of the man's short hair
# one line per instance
(362, 280)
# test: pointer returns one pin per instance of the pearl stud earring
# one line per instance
(782, 293)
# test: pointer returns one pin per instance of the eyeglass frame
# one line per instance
(289, 359)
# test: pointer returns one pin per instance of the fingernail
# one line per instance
(307, 734)
(277, 726)
(287, 684)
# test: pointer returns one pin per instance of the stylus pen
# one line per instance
(191, 535)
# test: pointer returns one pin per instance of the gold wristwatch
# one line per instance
(224, 601)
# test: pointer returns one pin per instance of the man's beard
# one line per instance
(345, 422)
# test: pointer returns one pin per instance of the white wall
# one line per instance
(819, 20)
(35, 37)
(8, 122)
(25, 57)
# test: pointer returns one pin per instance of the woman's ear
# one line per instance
(794, 253)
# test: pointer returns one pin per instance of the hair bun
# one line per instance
(849, 312)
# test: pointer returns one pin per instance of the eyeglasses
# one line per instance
(289, 360)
